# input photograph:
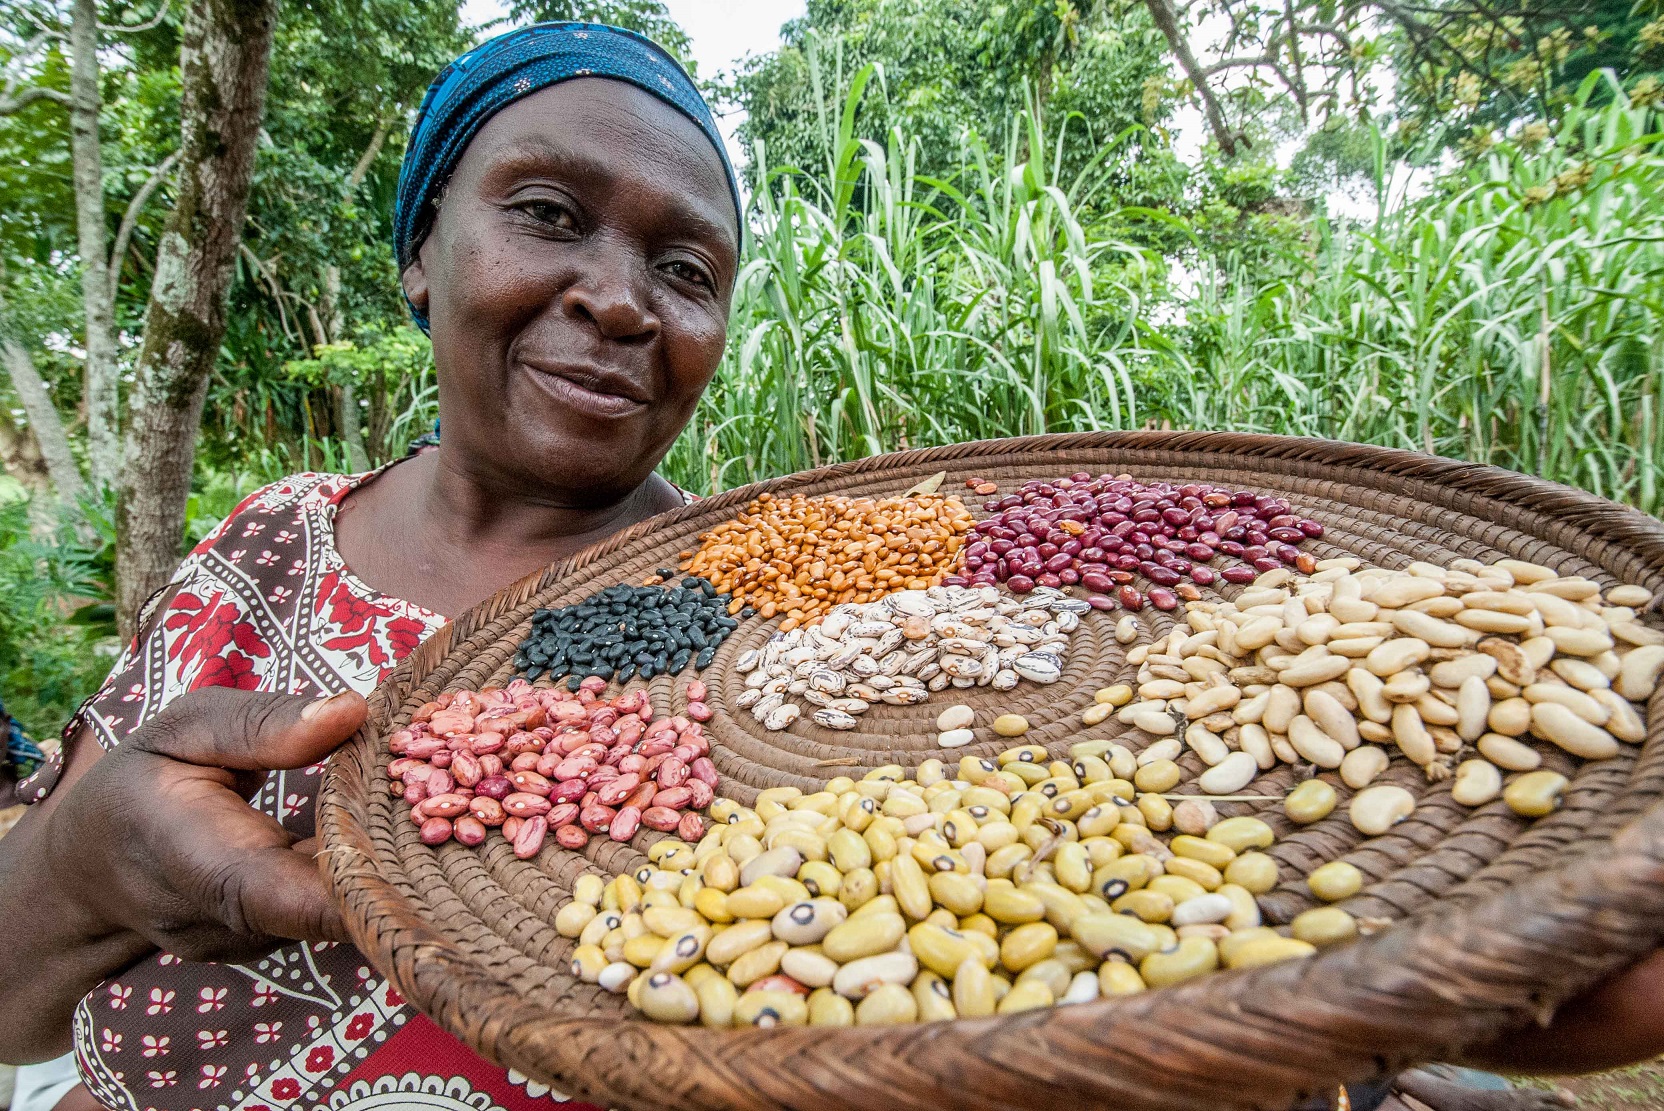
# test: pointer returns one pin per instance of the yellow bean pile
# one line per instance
(798, 557)
(989, 888)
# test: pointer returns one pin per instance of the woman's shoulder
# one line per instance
(291, 496)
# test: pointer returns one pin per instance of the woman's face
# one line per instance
(577, 280)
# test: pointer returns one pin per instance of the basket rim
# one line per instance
(433, 972)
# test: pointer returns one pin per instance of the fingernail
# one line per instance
(313, 709)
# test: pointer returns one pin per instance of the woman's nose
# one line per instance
(609, 295)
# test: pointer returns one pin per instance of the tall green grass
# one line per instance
(1513, 316)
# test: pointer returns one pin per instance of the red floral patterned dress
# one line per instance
(266, 603)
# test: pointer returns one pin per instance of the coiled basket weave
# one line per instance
(1498, 921)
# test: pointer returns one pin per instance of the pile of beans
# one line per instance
(527, 761)
(992, 887)
(900, 649)
(800, 556)
(627, 631)
(1101, 532)
(1457, 669)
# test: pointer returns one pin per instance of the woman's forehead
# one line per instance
(609, 133)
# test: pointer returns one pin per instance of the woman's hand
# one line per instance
(154, 845)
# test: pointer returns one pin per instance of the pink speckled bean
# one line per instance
(469, 830)
(624, 824)
(703, 793)
(487, 811)
(531, 783)
(661, 818)
(698, 711)
(675, 798)
(596, 818)
(568, 789)
(618, 790)
(436, 831)
(696, 691)
(529, 840)
(522, 805)
(672, 773)
(563, 814)
(691, 828)
(494, 787)
(571, 837)
(447, 805)
(703, 770)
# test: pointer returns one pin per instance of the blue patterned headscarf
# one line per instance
(518, 63)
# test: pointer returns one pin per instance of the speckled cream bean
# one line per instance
(1230, 775)
(1363, 765)
(1555, 722)
(1477, 782)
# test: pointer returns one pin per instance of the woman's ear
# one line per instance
(415, 282)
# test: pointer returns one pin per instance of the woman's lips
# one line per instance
(588, 399)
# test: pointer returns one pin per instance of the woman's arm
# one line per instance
(153, 845)
(1619, 1023)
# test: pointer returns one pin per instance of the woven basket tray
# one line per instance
(1505, 919)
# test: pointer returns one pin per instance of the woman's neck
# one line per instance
(432, 532)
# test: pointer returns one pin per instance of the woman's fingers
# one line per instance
(246, 731)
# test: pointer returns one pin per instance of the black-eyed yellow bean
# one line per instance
(1253, 871)
(1002, 863)
(1245, 910)
(809, 966)
(858, 888)
(933, 997)
(641, 950)
(1204, 875)
(571, 919)
(737, 940)
(587, 963)
(669, 921)
(827, 1008)
(742, 848)
(1324, 926)
(1188, 958)
(1207, 850)
(721, 873)
(808, 921)
(681, 951)
(859, 978)
(1025, 997)
(1028, 944)
(1157, 811)
(755, 901)
(1117, 977)
(937, 947)
(599, 926)
(1335, 881)
(1051, 972)
(1176, 887)
(771, 1008)
(1268, 950)
(864, 934)
(588, 888)
(1146, 905)
(1161, 775)
(1241, 834)
(760, 962)
(1005, 903)
(1535, 794)
(666, 997)
(908, 885)
(717, 998)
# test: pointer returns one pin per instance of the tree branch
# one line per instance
(12, 104)
(1162, 13)
(154, 21)
(131, 218)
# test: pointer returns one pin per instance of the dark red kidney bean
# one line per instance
(1100, 602)
(1288, 555)
(1288, 535)
(1239, 574)
(1097, 581)
(1162, 576)
(1070, 547)
(1047, 550)
(1187, 534)
(1310, 528)
(1092, 555)
(1163, 599)
(1266, 563)
(1130, 598)
(1202, 576)
(1068, 576)
(1201, 553)
(1048, 579)
(1231, 548)
(1059, 561)
(1020, 584)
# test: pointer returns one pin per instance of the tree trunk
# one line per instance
(100, 388)
(52, 443)
(223, 61)
(347, 415)
(20, 455)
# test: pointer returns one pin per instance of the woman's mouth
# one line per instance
(600, 396)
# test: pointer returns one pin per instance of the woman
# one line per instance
(568, 230)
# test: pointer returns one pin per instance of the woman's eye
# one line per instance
(548, 212)
(688, 272)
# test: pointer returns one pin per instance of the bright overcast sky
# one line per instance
(724, 33)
